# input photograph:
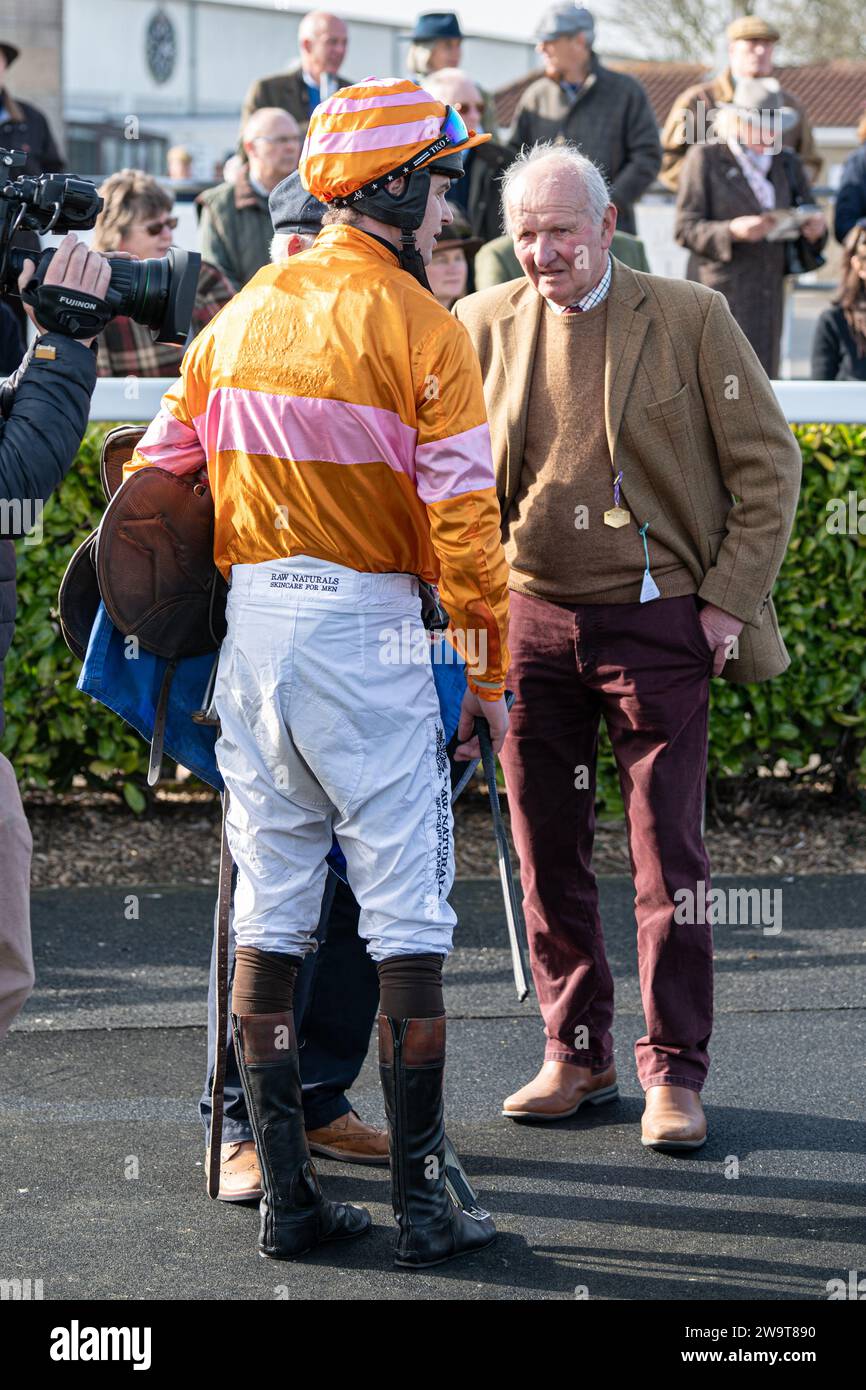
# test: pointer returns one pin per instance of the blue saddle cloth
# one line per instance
(131, 687)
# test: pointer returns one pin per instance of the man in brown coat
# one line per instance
(626, 412)
(323, 40)
(750, 53)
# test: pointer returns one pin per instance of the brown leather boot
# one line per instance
(559, 1090)
(349, 1139)
(673, 1119)
(240, 1174)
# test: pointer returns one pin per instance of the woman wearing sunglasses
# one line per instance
(137, 218)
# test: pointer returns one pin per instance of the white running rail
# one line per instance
(828, 402)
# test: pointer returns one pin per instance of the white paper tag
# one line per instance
(648, 589)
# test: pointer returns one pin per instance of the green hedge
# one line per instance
(817, 707)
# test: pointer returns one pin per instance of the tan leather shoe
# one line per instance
(559, 1090)
(673, 1119)
(240, 1175)
(350, 1139)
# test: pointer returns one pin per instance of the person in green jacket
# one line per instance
(235, 229)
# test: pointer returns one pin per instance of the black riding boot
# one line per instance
(412, 1067)
(295, 1215)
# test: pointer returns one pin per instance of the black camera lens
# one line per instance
(159, 293)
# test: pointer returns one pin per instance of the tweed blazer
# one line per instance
(707, 456)
(284, 89)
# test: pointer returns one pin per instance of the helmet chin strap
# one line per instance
(410, 258)
(405, 213)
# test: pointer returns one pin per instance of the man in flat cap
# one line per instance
(751, 41)
(606, 114)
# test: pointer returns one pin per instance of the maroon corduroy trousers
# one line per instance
(645, 669)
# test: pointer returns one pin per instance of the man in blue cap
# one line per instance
(606, 114)
(337, 991)
(435, 45)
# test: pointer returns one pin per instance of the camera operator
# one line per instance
(44, 409)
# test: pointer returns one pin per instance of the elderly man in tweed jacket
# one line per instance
(648, 483)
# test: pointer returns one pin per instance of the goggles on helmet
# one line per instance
(453, 131)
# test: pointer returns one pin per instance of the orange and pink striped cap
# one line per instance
(365, 131)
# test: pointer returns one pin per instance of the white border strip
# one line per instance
(804, 402)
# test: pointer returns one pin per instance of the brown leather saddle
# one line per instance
(150, 561)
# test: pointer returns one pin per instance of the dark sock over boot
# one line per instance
(295, 1216)
(412, 1068)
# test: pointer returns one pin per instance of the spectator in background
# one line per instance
(23, 127)
(851, 197)
(322, 40)
(725, 206)
(178, 162)
(12, 344)
(449, 270)
(476, 195)
(233, 166)
(750, 58)
(236, 226)
(497, 261)
(436, 44)
(839, 345)
(137, 219)
(606, 114)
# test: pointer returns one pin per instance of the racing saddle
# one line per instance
(150, 561)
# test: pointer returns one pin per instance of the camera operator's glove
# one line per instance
(76, 313)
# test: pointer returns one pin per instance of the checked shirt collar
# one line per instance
(589, 301)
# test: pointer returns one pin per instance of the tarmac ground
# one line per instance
(102, 1187)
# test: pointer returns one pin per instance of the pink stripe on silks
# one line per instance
(386, 137)
(336, 106)
(306, 427)
(170, 444)
(448, 467)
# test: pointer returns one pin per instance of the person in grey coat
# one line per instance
(44, 408)
(606, 114)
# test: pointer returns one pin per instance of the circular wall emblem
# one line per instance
(161, 45)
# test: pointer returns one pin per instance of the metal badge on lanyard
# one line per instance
(617, 515)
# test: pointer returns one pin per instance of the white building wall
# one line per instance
(221, 49)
